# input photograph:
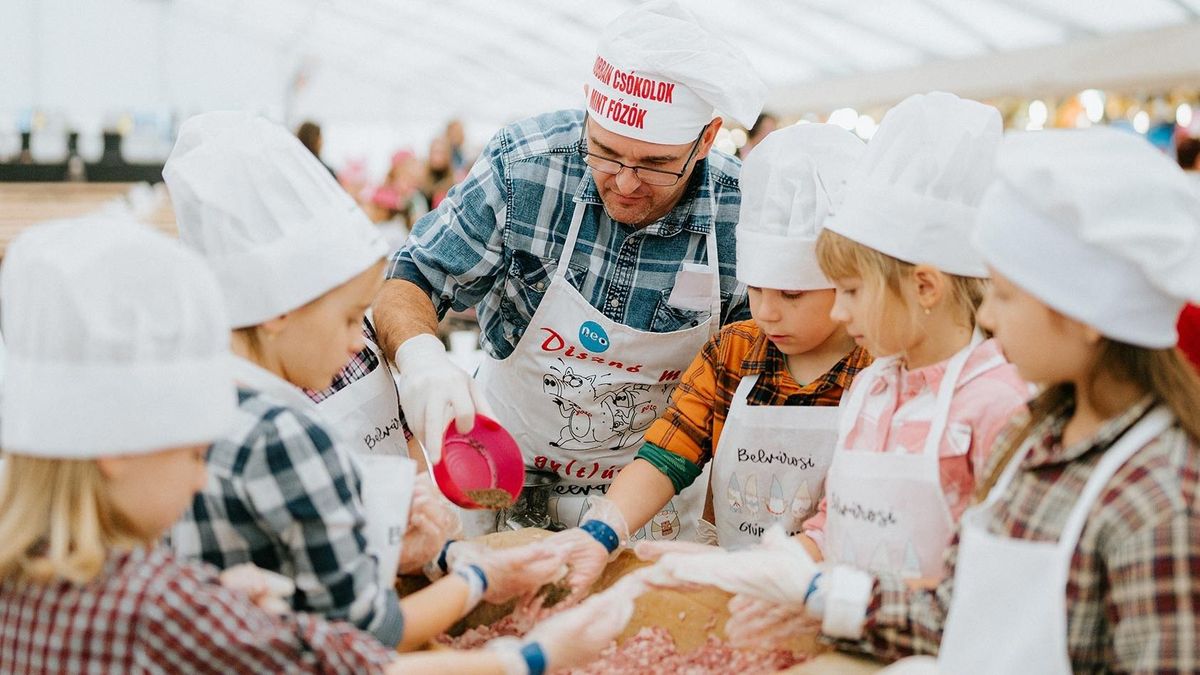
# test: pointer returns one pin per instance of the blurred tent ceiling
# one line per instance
(490, 61)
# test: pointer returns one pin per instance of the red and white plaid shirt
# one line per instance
(147, 612)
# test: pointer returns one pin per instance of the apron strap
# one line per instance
(739, 398)
(945, 395)
(568, 249)
(1134, 439)
(710, 241)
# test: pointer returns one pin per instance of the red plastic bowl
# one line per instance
(486, 457)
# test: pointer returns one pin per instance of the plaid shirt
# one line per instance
(700, 403)
(1133, 590)
(147, 612)
(495, 241)
(283, 496)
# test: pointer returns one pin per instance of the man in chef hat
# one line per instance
(598, 250)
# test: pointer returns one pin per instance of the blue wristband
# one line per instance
(482, 577)
(535, 658)
(602, 533)
(812, 587)
(441, 559)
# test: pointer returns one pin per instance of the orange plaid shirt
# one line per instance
(690, 426)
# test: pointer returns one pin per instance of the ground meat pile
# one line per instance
(651, 652)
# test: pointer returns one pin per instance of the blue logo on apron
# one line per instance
(592, 337)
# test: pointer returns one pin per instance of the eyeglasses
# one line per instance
(655, 177)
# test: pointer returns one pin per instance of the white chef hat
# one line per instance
(789, 184)
(276, 228)
(915, 192)
(1100, 226)
(118, 343)
(659, 76)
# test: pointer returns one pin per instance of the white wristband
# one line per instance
(847, 593)
(508, 651)
(476, 585)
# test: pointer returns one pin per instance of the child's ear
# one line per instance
(110, 467)
(929, 285)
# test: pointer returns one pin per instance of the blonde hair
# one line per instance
(841, 257)
(56, 520)
(1162, 373)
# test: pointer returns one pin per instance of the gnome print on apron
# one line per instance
(769, 467)
(580, 390)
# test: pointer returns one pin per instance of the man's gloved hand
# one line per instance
(779, 570)
(588, 548)
(433, 391)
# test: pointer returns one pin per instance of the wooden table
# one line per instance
(24, 204)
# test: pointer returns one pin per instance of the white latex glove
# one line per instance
(651, 551)
(432, 522)
(585, 555)
(779, 569)
(764, 624)
(510, 572)
(434, 391)
(577, 635)
(269, 590)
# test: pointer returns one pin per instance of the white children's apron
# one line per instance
(886, 510)
(367, 411)
(388, 480)
(769, 466)
(1009, 610)
(580, 390)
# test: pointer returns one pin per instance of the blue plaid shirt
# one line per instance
(496, 239)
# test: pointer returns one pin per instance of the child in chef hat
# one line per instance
(750, 385)
(118, 378)
(299, 264)
(918, 425)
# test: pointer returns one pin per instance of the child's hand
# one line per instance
(431, 522)
(512, 572)
(266, 589)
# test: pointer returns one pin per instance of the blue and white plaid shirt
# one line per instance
(282, 495)
(496, 239)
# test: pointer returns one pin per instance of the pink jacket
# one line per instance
(896, 412)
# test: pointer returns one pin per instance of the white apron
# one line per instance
(769, 466)
(580, 390)
(367, 412)
(1011, 593)
(388, 480)
(886, 510)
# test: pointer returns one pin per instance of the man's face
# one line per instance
(626, 198)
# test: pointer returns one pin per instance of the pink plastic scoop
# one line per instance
(479, 463)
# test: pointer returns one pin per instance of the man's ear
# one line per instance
(708, 137)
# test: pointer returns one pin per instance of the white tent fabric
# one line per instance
(409, 65)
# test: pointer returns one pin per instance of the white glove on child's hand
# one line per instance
(763, 624)
(433, 390)
(432, 521)
(588, 548)
(510, 572)
(779, 569)
(269, 590)
(577, 635)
